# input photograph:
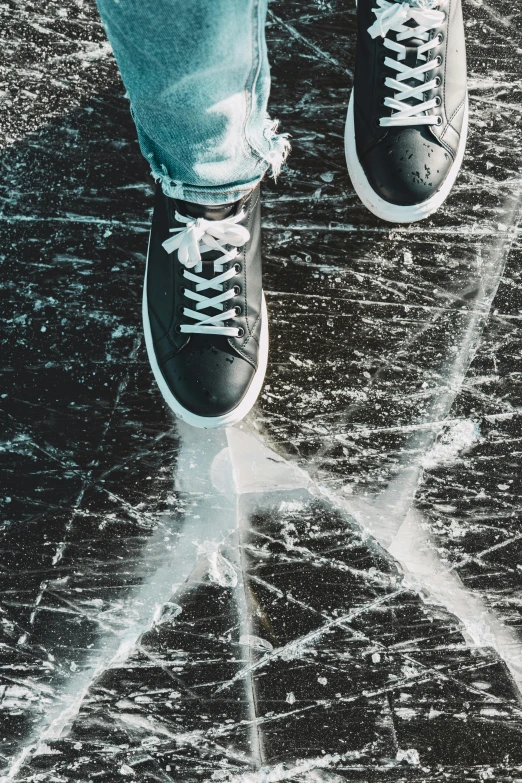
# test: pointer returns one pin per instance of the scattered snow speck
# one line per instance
(291, 505)
(256, 642)
(457, 438)
(322, 680)
(410, 756)
(290, 698)
(165, 612)
(405, 713)
(46, 750)
(220, 570)
(376, 657)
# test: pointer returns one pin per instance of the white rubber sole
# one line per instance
(394, 213)
(208, 422)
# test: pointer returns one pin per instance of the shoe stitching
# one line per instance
(459, 107)
(250, 330)
(246, 356)
(446, 146)
(373, 139)
(162, 362)
(444, 143)
(165, 330)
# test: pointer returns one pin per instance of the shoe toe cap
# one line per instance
(208, 378)
(406, 168)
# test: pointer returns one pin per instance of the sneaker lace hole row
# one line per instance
(408, 103)
(207, 295)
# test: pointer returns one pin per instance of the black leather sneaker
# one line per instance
(204, 312)
(408, 114)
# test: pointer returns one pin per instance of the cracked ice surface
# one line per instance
(331, 591)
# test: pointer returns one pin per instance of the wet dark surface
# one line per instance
(331, 591)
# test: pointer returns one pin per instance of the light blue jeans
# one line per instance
(198, 79)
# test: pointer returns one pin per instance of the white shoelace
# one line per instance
(201, 236)
(393, 16)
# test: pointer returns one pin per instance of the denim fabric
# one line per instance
(198, 79)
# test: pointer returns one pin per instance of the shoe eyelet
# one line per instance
(237, 268)
(177, 328)
(377, 122)
(237, 290)
(382, 101)
(238, 310)
(437, 100)
(181, 309)
(182, 290)
(439, 120)
(439, 39)
(438, 81)
(383, 80)
(382, 58)
(181, 271)
(240, 332)
(438, 60)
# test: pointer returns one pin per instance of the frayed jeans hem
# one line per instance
(268, 161)
(201, 195)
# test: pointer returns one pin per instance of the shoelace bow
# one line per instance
(393, 16)
(198, 236)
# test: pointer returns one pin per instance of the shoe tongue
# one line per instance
(207, 211)
(210, 211)
(424, 4)
(412, 44)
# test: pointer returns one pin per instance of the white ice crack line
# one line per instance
(291, 649)
(283, 475)
(313, 47)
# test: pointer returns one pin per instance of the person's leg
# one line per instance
(197, 75)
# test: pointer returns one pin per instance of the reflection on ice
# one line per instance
(288, 612)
